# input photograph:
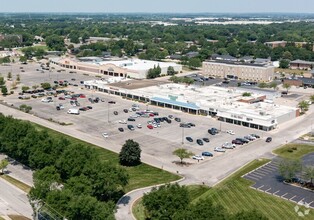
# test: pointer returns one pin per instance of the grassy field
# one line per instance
(287, 151)
(194, 191)
(297, 72)
(16, 183)
(140, 176)
(235, 194)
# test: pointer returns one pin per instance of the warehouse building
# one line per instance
(131, 68)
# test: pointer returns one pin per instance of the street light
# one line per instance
(182, 136)
(108, 111)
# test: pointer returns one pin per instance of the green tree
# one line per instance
(304, 105)
(46, 85)
(2, 81)
(284, 64)
(308, 173)
(55, 42)
(25, 108)
(4, 90)
(25, 88)
(287, 55)
(312, 98)
(262, 85)
(194, 63)
(3, 164)
(288, 168)
(286, 86)
(164, 202)
(130, 154)
(246, 94)
(182, 154)
(171, 71)
(23, 59)
(273, 85)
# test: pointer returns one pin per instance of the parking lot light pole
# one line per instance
(108, 111)
(182, 136)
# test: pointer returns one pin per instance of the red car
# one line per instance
(61, 98)
(73, 98)
(82, 96)
(151, 115)
(150, 127)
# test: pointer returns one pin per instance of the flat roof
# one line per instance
(176, 103)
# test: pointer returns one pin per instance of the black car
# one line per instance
(115, 113)
(112, 102)
(269, 139)
(191, 124)
(243, 140)
(237, 142)
(213, 131)
(89, 107)
(177, 119)
(125, 110)
(131, 127)
(131, 119)
(121, 129)
(189, 139)
(199, 142)
(206, 140)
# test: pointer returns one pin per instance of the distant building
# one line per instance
(133, 68)
(247, 68)
(274, 44)
(17, 37)
(300, 82)
(192, 54)
(301, 64)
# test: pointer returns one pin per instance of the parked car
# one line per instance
(122, 121)
(268, 139)
(131, 119)
(228, 145)
(231, 132)
(89, 107)
(255, 135)
(150, 126)
(121, 129)
(243, 140)
(131, 127)
(198, 157)
(125, 110)
(237, 142)
(61, 98)
(105, 135)
(115, 113)
(191, 124)
(207, 154)
(219, 149)
(177, 119)
(213, 131)
(170, 116)
(112, 102)
(139, 126)
(250, 138)
(206, 140)
(189, 139)
(199, 142)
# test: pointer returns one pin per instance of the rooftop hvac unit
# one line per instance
(262, 113)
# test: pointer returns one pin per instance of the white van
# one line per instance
(74, 111)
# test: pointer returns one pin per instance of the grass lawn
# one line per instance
(140, 176)
(301, 150)
(16, 183)
(235, 195)
(297, 72)
(194, 191)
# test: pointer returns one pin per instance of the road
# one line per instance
(13, 201)
(209, 172)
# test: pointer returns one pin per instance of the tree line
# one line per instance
(70, 177)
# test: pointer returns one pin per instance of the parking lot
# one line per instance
(268, 180)
(157, 142)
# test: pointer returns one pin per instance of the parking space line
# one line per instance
(292, 197)
(254, 178)
(273, 166)
(284, 194)
(275, 193)
(269, 169)
(260, 187)
(260, 176)
(262, 171)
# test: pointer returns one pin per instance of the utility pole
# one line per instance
(182, 136)
(108, 111)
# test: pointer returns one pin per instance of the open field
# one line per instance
(235, 194)
(287, 151)
(16, 183)
(140, 176)
(297, 72)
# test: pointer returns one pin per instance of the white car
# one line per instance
(198, 157)
(122, 121)
(155, 125)
(139, 126)
(46, 100)
(105, 135)
(61, 106)
(228, 145)
(231, 132)
(219, 149)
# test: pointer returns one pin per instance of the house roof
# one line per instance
(307, 81)
(301, 62)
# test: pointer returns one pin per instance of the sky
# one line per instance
(158, 6)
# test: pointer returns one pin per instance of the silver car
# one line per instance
(219, 149)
